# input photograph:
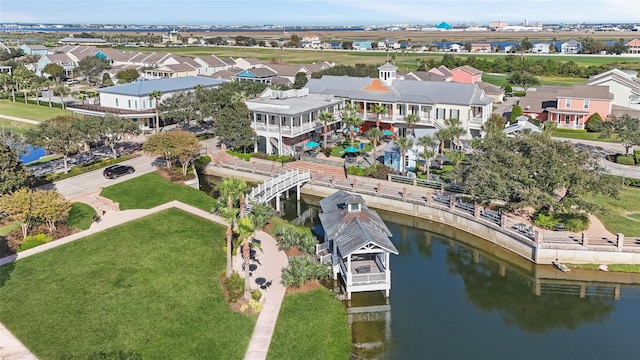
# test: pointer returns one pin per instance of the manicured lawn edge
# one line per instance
(146, 289)
(311, 325)
(81, 216)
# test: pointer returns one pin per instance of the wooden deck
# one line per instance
(360, 264)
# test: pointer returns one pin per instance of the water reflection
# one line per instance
(455, 296)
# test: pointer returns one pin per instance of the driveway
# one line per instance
(90, 182)
(601, 149)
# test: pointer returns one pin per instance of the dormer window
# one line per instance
(354, 207)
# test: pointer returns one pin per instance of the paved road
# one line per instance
(92, 181)
(600, 149)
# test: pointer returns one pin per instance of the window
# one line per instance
(116, 102)
(406, 161)
(586, 103)
(454, 114)
(567, 119)
(440, 113)
(567, 103)
(354, 207)
(129, 103)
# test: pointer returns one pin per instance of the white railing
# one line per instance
(363, 279)
(269, 189)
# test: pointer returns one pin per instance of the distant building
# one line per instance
(82, 41)
(34, 49)
(444, 26)
(570, 47)
(633, 46)
(497, 25)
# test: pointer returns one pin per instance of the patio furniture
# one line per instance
(362, 269)
(266, 285)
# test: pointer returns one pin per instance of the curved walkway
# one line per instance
(271, 266)
(19, 119)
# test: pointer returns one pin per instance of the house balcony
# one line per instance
(396, 119)
(290, 131)
(365, 275)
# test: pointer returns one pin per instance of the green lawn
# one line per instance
(80, 216)
(580, 135)
(44, 159)
(500, 79)
(311, 325)
(28, 111)
(15, 126)
(621, 214)
(148, 289)
(150, 190)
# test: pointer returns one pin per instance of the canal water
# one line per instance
(455, 296)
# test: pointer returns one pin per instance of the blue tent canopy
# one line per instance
(387, 132)
(351, 149)
(312, 144)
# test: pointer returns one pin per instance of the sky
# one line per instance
(317, 12)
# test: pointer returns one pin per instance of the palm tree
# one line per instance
(61, 91)
(156, 95)
(232, 190)
(548, 127)
(412, 120)
(239, 96)
(379, 110)
(326, 117)
(442, 135)
(246, 233)
(352, 120)
(427, 143)
(404, 144)
(229, 215)
(454, 130)
(374, 134)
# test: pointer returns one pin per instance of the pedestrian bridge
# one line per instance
(276, 186)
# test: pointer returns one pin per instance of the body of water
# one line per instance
(455, 296)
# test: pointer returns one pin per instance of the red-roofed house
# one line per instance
(633, 46)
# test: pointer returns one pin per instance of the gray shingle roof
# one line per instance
(171, 85)
(352, 230)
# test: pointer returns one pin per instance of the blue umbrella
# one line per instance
(351, 149)
(312, 144)
(387, 132)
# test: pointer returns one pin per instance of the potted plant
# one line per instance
(326, 151)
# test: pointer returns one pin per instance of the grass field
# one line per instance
(148, 289)
(150, 190)
(15, 126)
(581, 136)
(500, 79)
(28, 111)
(621, 214)
(311, 325)
(81, 216)
(4, 230)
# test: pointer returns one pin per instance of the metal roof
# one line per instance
(421, 92)
(353, 230)
(170, 85)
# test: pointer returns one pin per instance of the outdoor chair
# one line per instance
(266, 285)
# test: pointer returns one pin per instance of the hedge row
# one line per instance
(625, 160)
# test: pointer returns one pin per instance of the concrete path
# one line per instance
(271, 262)
(11, 348)
(19, 119)
(601, 148)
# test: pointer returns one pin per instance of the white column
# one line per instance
(278, 203)
(298, 193)
(268, 145)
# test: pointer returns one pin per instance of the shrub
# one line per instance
(243, 156)
(255, 305)
(202, 161)
(234, 285)
(636, 155)
(625, 160)
(624, 180)
(289, 236)
(572, 221)
(594, 123)
(301, 269)
(256, 294)
(33, 241)
(327, 150)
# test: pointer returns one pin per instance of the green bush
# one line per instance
(202, 161)
(594, 123)
(636, 155)
(243, 156)
(624, 180)
(256, 294)
(289, 236)
(519, 93)
(234, 285)
(572, 221)
(80, 169)
(32, 241)
(625, 160)
(301, 269)
(569, 130)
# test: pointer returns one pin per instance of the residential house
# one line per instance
(358, 242)
(455, 47)
(34, 49)
(492, 91)
(541, 48)
(132, 100)
(261, 74)
(633, 46)
(625, 87)
(362, 44)
(569, 106)
(287, 72)
(210, 64)
(285, 120)
(171, 71)
(248, 63)
(483, 47)
(432, 101)
(63, 60)
(466, 74)
(571, 47)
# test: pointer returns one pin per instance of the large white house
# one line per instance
(284, 120)
(133, 100)
(625, 87)
(432, 101)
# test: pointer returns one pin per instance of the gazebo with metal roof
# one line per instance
(359, 243)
